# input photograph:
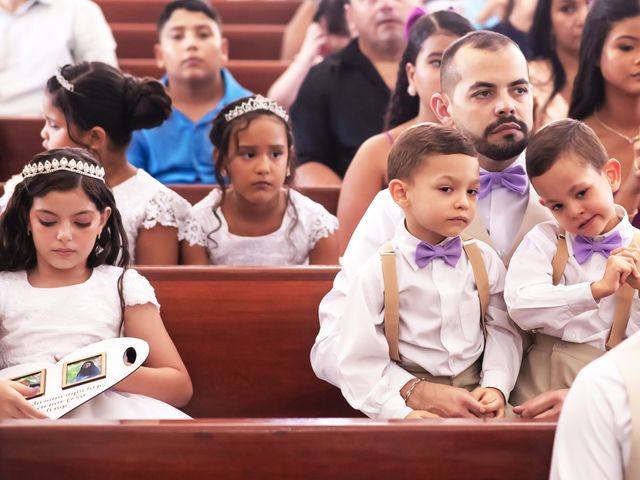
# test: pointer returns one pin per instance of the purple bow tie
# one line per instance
(514, 179)
(584, 247)
(449, 252)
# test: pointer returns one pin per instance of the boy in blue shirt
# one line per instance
(192, 51)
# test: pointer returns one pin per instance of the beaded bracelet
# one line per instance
(411, 387)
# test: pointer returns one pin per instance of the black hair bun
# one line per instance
(146, 102)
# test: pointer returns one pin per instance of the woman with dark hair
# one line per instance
(418, 79)
(606, 91)
(555, 45)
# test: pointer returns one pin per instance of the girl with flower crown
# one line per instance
(253, 218)
(64, 284)
(95, 106)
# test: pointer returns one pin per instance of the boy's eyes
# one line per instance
(446, 189)
(556, 207)
(473, 191)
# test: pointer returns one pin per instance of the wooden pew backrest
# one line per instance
(255, 75)
(245, 336)
(246, 42)
(277, 12)
(19, 142)
(284, 449)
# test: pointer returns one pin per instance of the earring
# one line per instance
(288, 174)
(411, 90)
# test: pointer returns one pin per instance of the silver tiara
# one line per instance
(66, 84)
(257, 103)
(81, 168)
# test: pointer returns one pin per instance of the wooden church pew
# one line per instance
(255, 75)
(310, 449)
(276, 12)
(19, 142)
(245, 336)
(246, 42)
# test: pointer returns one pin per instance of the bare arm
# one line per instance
(163, 375)
(316, 174)
(365, 177)
(193, 254)
(157, 246)
(325, 251)
(296, 28)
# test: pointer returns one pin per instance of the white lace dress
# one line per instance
(289, 245)
(144, 202)
(38, 323)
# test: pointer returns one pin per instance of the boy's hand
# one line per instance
(420, 414)
(616, 272)
(633, 253)
(13, 403)
(491, 399)
(445, 401)
(547, 405)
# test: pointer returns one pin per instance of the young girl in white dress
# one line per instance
(64, 285)
(254, 218)
(95, 106)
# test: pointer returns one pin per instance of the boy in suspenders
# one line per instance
(572, 282)
(429, 320)
(598, 434)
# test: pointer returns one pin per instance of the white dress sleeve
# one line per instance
(197, 224)
(166, 208)
(137, 290)
(319, 223)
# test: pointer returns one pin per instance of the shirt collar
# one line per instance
(623, 227)
(406, 244)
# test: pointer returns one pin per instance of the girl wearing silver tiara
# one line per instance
(64, 284)
(253, 218)
(95, 106)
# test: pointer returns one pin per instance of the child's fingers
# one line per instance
(478, 393)
(29, 411)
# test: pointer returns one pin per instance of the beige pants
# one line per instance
(550, 364)
(468, 379)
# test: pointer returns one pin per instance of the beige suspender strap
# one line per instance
(474, 255)
(561, 257)
(624, 299)
(626, 358)
(390, 280)
(391, 307)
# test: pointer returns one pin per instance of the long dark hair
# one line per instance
(403, 107)
(588, 87)
(105, 97)
(224, 132)
(542, 45)
(17, 250)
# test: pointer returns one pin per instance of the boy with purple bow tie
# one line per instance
(443, 286)
(573, 281)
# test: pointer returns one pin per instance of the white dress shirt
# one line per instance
(439, 328)
(40, 36)
(567, 310)
(593, 437)
(501, 212)
(378, 226)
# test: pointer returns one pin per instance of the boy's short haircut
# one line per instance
(333, 13)
(480, 40)
(202, 6)
(411, 150)
(561, 136)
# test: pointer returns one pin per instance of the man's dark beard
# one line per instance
(505, 150)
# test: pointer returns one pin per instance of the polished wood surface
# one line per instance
(19, 142)
(277, 12)
(246, 41)
(277, 449)
(245, 336)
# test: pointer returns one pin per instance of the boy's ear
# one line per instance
(613, 171)
(224, 49)
(440, 106)
(398, 191)
(158, 55)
